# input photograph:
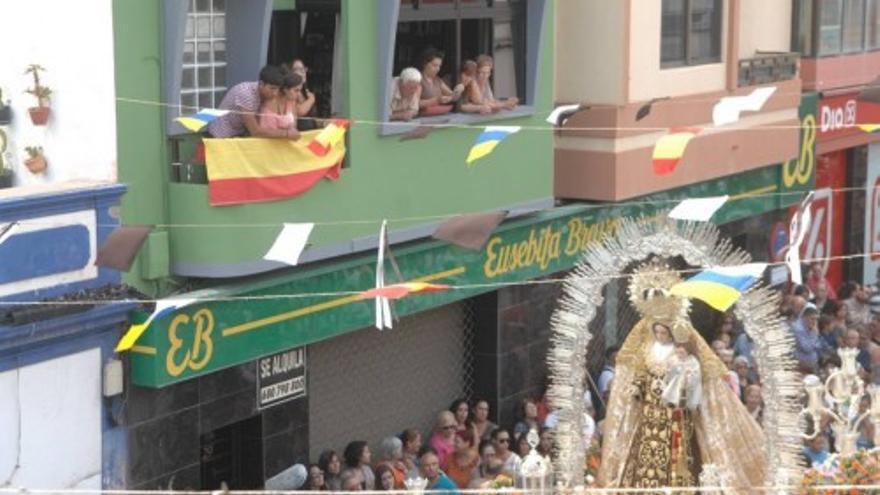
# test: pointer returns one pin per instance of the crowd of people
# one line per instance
(422, 92)
(465, 450)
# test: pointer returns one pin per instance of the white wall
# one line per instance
(647, 79)
(50, 423)
(74, 42)
(764, 25)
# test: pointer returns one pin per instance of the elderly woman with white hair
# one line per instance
(391, 455)
(406, 92)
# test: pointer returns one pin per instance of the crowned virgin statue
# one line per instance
(670, 411)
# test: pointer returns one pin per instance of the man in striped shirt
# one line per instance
(243, 102)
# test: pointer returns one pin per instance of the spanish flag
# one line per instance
(398, 291)
(670, 148)
(253, 170)
(329, 137)
(720, 287)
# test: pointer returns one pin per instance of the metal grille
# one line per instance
(203, 80)
(369, 384)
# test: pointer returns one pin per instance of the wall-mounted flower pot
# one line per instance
(39, 115)
(5, 114)
(5, 178)
(37, 164)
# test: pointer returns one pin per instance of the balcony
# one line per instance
(415, 184)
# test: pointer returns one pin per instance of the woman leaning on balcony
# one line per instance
(436, 98)
(479, 97)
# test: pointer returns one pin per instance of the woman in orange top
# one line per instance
(464, 460)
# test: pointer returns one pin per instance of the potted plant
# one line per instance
(40, 113)
(37, 162)
(5, 110)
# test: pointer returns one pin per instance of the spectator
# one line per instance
(743, 346)
(744, 372)
(385, 479)
(816, 450)
(522, 447)
(467, 79)
(830, 338)
(732, 378)
(481, 419)
(608, 371)
(315, 481)
(545, 446)
(357, 456)
(462, 412)
(808, 343)
(480, 93)
(436, 95)
(412, 444)
(352, 480)
(305, 99)
(490, 466)
(406, 92)
(754, 403)
(244, 101)
(718, 345)
(463, 462)
(280, 112)
(821, 295)
(391, 455)
(443, 439)
(430, 469)
(528, 417)
(501, 439)
(855, 298)
(331, 465)
(815, 276)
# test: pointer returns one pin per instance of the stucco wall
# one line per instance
(764, 26)
(74, 42)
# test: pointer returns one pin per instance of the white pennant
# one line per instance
(800, 225)
(383, 306)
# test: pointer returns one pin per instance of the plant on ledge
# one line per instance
(5, 161)
(5, 110)
(40, 113)
(37, 162)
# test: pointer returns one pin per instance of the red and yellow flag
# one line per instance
(398, 291)
(670, 148)
(329, 137)
(252, 170)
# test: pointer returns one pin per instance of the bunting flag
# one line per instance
(562, 113)
(670, 148)
(383, 305)
(797, 232)
(698, 209)
(397, 291)
(198, 121)
(163, 307)
(488, 140)
(470, 231)
(252, 170)
(722, 286)
(289, 244)
(122, 246)
(727, 111)
(869, 128)
(329, 137)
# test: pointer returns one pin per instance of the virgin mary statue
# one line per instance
(650, 438)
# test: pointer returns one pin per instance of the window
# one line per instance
(841, 26)
(690, 32)
(203, 76)
(464, 29)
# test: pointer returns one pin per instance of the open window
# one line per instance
(507, 30)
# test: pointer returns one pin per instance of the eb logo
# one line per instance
(192, 345)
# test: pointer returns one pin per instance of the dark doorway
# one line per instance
(308, 33)
(234, 455)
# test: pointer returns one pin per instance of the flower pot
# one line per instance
(5, 178)
(5, 114)
(39, 115)
(37, 164)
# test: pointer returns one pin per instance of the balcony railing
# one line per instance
(767, 68)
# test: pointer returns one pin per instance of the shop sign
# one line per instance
(281, 377)
(210, 336)
(840, 115)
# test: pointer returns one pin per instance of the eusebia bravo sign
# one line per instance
(281, 377)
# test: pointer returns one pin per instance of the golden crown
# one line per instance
(649, 293)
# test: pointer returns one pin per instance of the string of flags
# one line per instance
(670, 148)
(720, 287)
(197, 121)
(163, 307)
(488, 140)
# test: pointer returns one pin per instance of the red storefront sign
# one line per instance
(839, 117)
(825, 239)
